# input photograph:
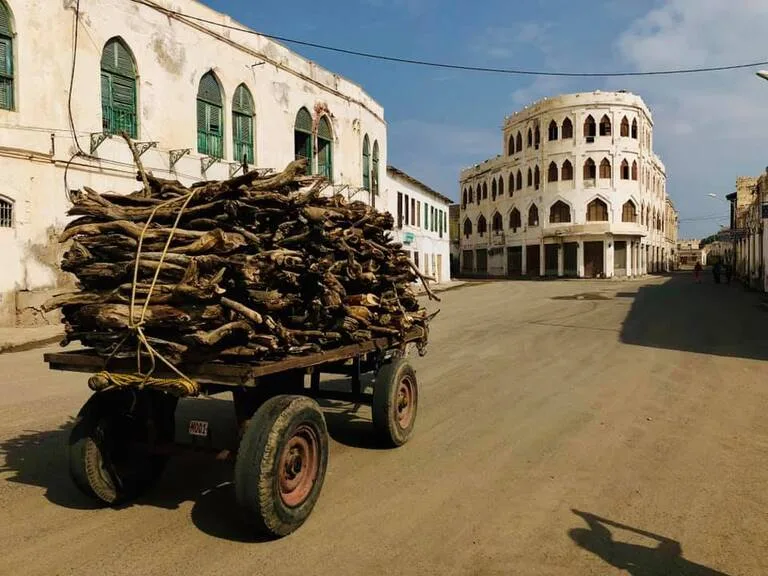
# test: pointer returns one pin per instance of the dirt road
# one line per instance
(623, 431)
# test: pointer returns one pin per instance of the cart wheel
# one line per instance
(102, 462)
(281, 464)
(395, 402)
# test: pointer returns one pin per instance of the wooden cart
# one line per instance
(124, 435)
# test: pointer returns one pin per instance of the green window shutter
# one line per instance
(303, 121)
(209, 90)
(324, 129)
(6, 72)
(242, 131)
(5, 21)
(118, 90)
(366, 163)
(242, 103)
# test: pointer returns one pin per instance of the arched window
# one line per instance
(367, 166)
(533, 215)
(552, 130)
(589, 127)
(501, 186)
(479, 193)
(519, 181)
(552, 172)
(514, 220)
(482, 225)
(530, 177)
(559, 213)
(511, 184)
(325, 148)
(634, 169)
(624, 169)
(590, 170)
(6, 58)
(567, 171)
(624, 127)
(530, 138)
(464, 198)
(628, 212)
(467, 227)
(485, 190)
(209, 117)
(497, 223)
(605, 168)
(6, 213)
(634, 129)
(536, 177)
(567, 129)
(493, 189)
(597, 211)
(605, 125)
(375, 169)
(511, 145)
(242, 125)
(519, 142)
(536, 137)
(118, 86)
(302, 138)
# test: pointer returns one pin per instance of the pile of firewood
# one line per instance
(252, 268)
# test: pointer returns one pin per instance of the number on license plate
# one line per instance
(198, 428)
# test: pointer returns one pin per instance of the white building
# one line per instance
(421, 223)
(578, 191)
(197, 95)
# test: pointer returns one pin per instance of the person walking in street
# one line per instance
(728, 272)
(716, 270)
(697, 272)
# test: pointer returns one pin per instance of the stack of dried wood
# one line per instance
(256, 267)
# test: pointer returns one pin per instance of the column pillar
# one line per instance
(580, 259)
(524, 265)
(608, 257)
(560, 260)
(542, 262)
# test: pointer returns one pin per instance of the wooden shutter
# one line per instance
(6, 72)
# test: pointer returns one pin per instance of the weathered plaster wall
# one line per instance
(37, 144)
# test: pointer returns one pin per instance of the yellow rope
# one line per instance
(104, 381)
(183, 384)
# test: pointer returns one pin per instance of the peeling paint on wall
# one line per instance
(280, 91)
(170, 54)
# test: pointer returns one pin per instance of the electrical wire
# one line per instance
(432, 64)
(72, 77)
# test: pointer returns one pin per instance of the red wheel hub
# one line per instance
(404, 403)
(299, 466)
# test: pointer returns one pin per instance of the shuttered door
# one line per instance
(118, 90)
(302, 137)
(242, 125)
(209, 129)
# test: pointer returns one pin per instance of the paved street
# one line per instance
(565, 428)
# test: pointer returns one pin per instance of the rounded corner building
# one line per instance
(578, 191)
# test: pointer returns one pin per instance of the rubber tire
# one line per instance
(256, 468)
(92, 437)
(384, 407)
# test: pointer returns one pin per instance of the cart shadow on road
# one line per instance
(636, 559)
(39, 458)
(706, 318)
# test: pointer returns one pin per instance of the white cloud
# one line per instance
(511, 42)
(709, 128)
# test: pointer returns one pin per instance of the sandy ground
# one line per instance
(621, 432)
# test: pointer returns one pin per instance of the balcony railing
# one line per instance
(117, 120)
(210, 144)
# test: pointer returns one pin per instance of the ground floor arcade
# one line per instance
(578, 257)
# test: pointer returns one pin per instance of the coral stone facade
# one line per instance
(577, 191)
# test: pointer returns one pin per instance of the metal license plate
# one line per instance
(198, 428)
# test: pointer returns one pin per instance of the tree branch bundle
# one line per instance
(254, 268)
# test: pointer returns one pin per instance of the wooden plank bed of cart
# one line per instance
(124, 434)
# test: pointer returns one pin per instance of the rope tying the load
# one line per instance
(141, 380)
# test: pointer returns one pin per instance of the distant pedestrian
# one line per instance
(728, 273)
(716, 270)
(697, 272)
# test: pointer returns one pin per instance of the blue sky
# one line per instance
(709, 129)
